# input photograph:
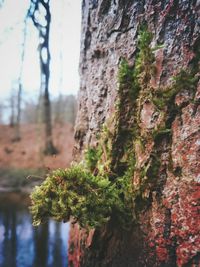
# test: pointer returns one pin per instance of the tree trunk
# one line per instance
(167, 229)
(17, 136)
(12, 109)
(44, 65)
(44, 55)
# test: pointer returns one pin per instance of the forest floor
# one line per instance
(23, 163)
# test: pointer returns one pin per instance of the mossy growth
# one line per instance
(139, 75)
(92, 157)
(144, 67)
(184, 80)
(77, 194)
(102, 185)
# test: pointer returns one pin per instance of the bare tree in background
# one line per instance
(12, 108)
(15, 100)
(29, 112)
(1, 113)
(17, 136)
(40, 14)
(63, 110)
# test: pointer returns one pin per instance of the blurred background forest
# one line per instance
(39, 52)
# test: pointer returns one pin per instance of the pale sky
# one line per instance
(64, 40)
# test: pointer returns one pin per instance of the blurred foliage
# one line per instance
(63, 110)
(17, 178)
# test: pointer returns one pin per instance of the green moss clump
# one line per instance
(92, 157)
(183, 80)
(77, 194)
(125, 73)
(144, 67)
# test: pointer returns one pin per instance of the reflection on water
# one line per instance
(21, 244)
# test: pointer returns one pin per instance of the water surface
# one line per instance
(23, 245)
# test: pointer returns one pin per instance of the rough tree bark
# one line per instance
(167, 230)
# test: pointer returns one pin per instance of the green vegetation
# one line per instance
(144, 67)
(75, 192)
(183, 80)
(92, 156)
(111, 182)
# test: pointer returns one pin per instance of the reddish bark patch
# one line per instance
(79, 240)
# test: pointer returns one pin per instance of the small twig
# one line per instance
(34, 176)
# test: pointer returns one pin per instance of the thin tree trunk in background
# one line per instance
(17, 136)
(1, 113)
(12, 107)
(45, 73)
(44, 56)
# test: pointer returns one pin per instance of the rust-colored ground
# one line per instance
(27, 153)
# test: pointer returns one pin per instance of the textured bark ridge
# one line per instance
(167, 231)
